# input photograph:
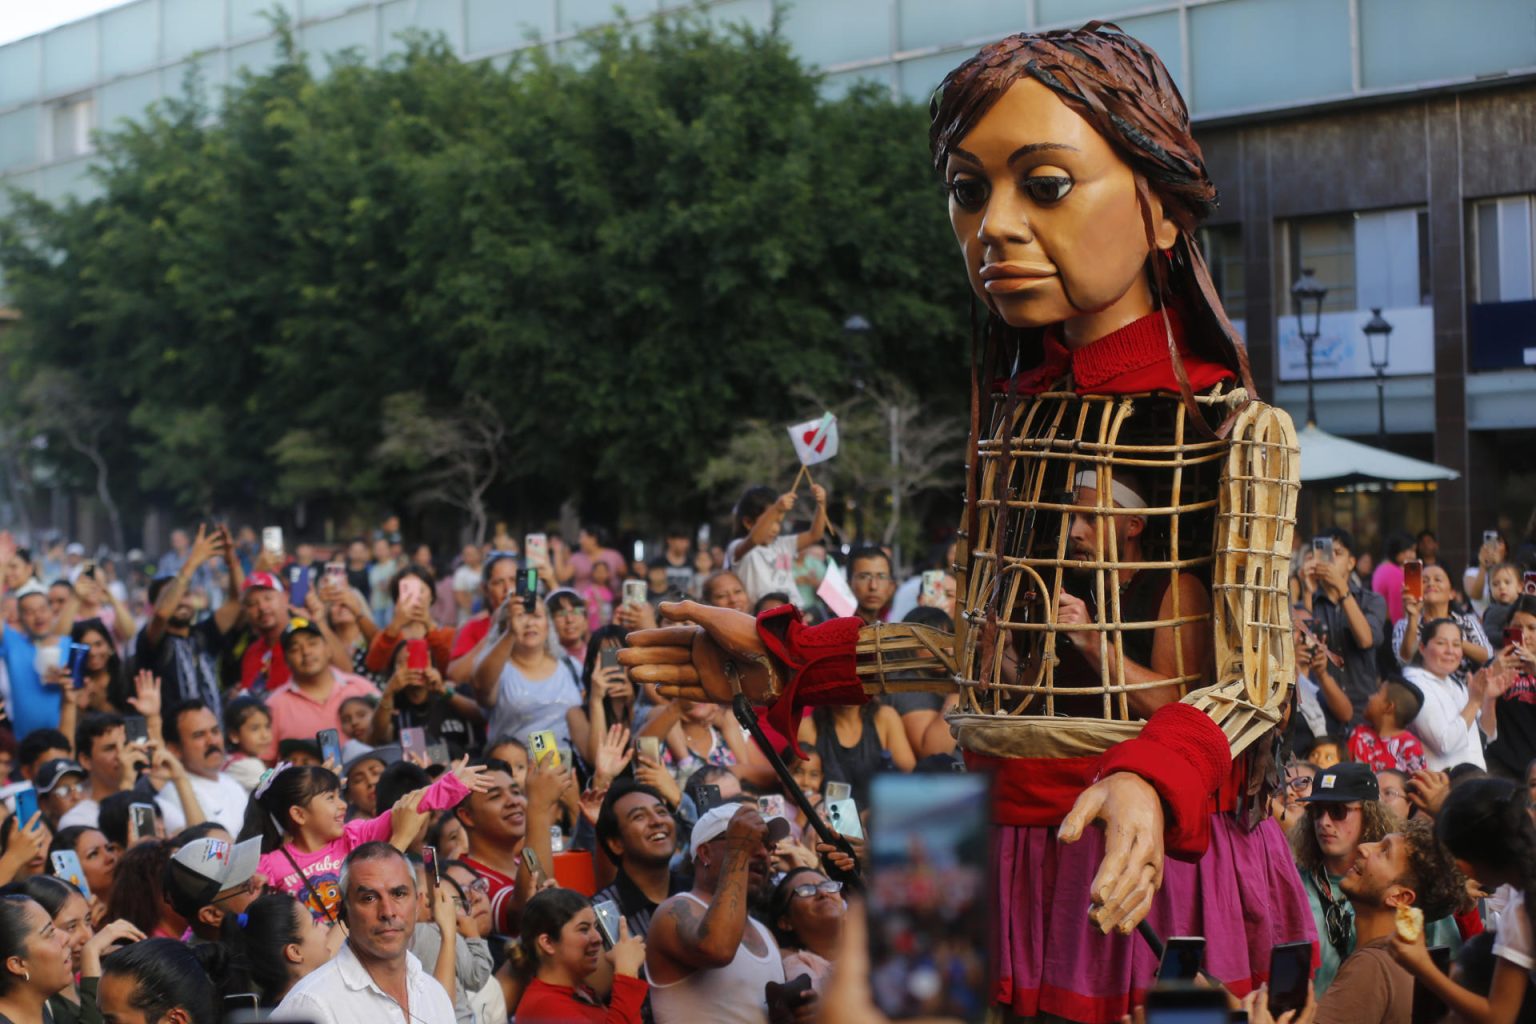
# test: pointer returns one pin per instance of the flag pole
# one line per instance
(805, 471)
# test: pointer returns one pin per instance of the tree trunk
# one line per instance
(104, 492)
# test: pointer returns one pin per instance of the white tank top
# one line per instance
(733, 994)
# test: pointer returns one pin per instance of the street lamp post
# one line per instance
(1307, 296)
(1378, 335)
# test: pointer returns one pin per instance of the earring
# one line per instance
(26, 975)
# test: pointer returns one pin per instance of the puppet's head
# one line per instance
(1068, 157)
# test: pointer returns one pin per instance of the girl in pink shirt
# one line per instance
(301, 817)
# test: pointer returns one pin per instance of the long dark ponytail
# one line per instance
(1486, 823)
(293, 786)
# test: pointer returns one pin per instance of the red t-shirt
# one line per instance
(469, 634)
(543, 1003)
(263, 659)
(502, 895)
(1402, 752)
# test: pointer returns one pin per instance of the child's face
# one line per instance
(1505, 585)
(517, 760)
(1377, 707)
(254, 738)
(808, 775)
(326, 815)
(1325, 755)
(354, 717)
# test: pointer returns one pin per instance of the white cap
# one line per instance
(220, 863)
(75, 548)
(713, 823)
(27, 589)
(1125, 496)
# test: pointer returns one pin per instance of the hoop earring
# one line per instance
(26, 976)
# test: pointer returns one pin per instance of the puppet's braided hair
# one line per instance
(1121, 88)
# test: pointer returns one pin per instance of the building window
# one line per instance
(72, 128)
(1503, 268)
(1222, 247)
(1366, 260)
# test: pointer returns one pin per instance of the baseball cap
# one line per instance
(713, 823)
(1344, 783)
(205, 867)
(30, 588)
(53, 772)
(75, 548)
(386, 755)
(567, 593)
(262, 581)
(297, 625)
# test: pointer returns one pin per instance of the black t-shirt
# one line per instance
(441, 722)
(188, 666)
(1516, 746)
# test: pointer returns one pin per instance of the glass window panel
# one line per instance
(1514, 249)
(1055, 12)
(18, 138)
(128, 97)
(325, 40)
(1488, 252)
(1222, 248)
(130, 31)
(921, 76)
(189, 26)
(19, 64)
(395, 18)
(69, 57)
(756, 13)
(1387, 259)
(1404, 41)
(924, 23)
(1251, 53)
(247, 18)
(492, 25)
(836, 86)
(1327, 245)
(1161, 32)
(573, 15)
(255, 57)
(1426, 289)
(68, 179)
(444, 16)
(323, 8)
(836, 31)
(70, 128)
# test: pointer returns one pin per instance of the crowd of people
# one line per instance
(338, 778)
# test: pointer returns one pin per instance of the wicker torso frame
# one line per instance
(1218, 510)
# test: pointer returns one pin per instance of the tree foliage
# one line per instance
(623, 257)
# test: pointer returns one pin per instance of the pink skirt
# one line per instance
(1244, 897)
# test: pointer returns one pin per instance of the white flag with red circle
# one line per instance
(815, 441)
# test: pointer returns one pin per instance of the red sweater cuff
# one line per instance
(820, 661)
(1185, 757)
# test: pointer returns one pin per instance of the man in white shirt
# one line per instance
(193, 734)
(373, 978)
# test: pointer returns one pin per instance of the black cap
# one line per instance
(52, 772)
(297, 625)
(1344, 783)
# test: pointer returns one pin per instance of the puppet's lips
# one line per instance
(1013, 269)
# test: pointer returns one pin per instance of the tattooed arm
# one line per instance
(685, 936)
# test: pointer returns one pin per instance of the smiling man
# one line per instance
(193, 734)
(637, 831)
(496, 824)
(312, 699)
(373, 977)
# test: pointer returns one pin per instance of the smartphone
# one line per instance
(932, 593)
(1413, 578)
(330, 745)
(924, 827)
(429, 861)
(649, 747)
(609, 657)
(1187, 1004)
(1182, 957)
(1427, 1007)
(135, 729)
(88, 569)
(66, 866)
(1322, 547)
(535, 549)
(418, 657)
(437, 753)
(528, 588)
(836, 791)
(534, 866)
(26, 805)
(1290, 976)
(706, 796)
(543, 743)
(141, 823)
(413, 740)
(771, 806)
(1529, 584)
(1490, 536)
(1514, 636)
(607, 922)
(639, 551)
(272, 540)
(241, 1002)
(634, 592)
(336, 573)
(77, 656)
(843, 816)
(413, 591)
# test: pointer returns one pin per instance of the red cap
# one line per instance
(262, 579)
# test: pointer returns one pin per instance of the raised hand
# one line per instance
(627, 954)
(7, 547)
(147, 699)
(545, 783)
(206, 546)
(472, 776)
(407, 820)
(110, 934)
(649, 773)
(1132, 869)
(612, 756)
(820, 494)
(689, 661)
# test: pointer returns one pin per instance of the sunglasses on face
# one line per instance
(1338, 812)
(810, 889)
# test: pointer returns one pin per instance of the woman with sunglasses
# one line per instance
(1343, 810)
(808, 912)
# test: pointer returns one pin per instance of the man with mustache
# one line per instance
(373, 977)
(193, 734)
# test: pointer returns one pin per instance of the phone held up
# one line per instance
(1413, 578)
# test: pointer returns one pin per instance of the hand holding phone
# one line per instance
(330, 746)
(542, 744)
(66, 867)
(1413, 578)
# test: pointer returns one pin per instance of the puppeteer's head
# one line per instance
(1068, 160)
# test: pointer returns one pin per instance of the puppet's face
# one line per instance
(1046, 215)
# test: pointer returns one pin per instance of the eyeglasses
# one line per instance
(1338, 812)
(871, 577)
(571, 613)
(1393, 794)
(479, 887)
(68, 791)
(810, 889)
(1300, 784)
(251, 885)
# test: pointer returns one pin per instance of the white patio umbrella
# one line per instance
(1326, 456)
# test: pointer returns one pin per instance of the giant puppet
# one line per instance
(1123, 652)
